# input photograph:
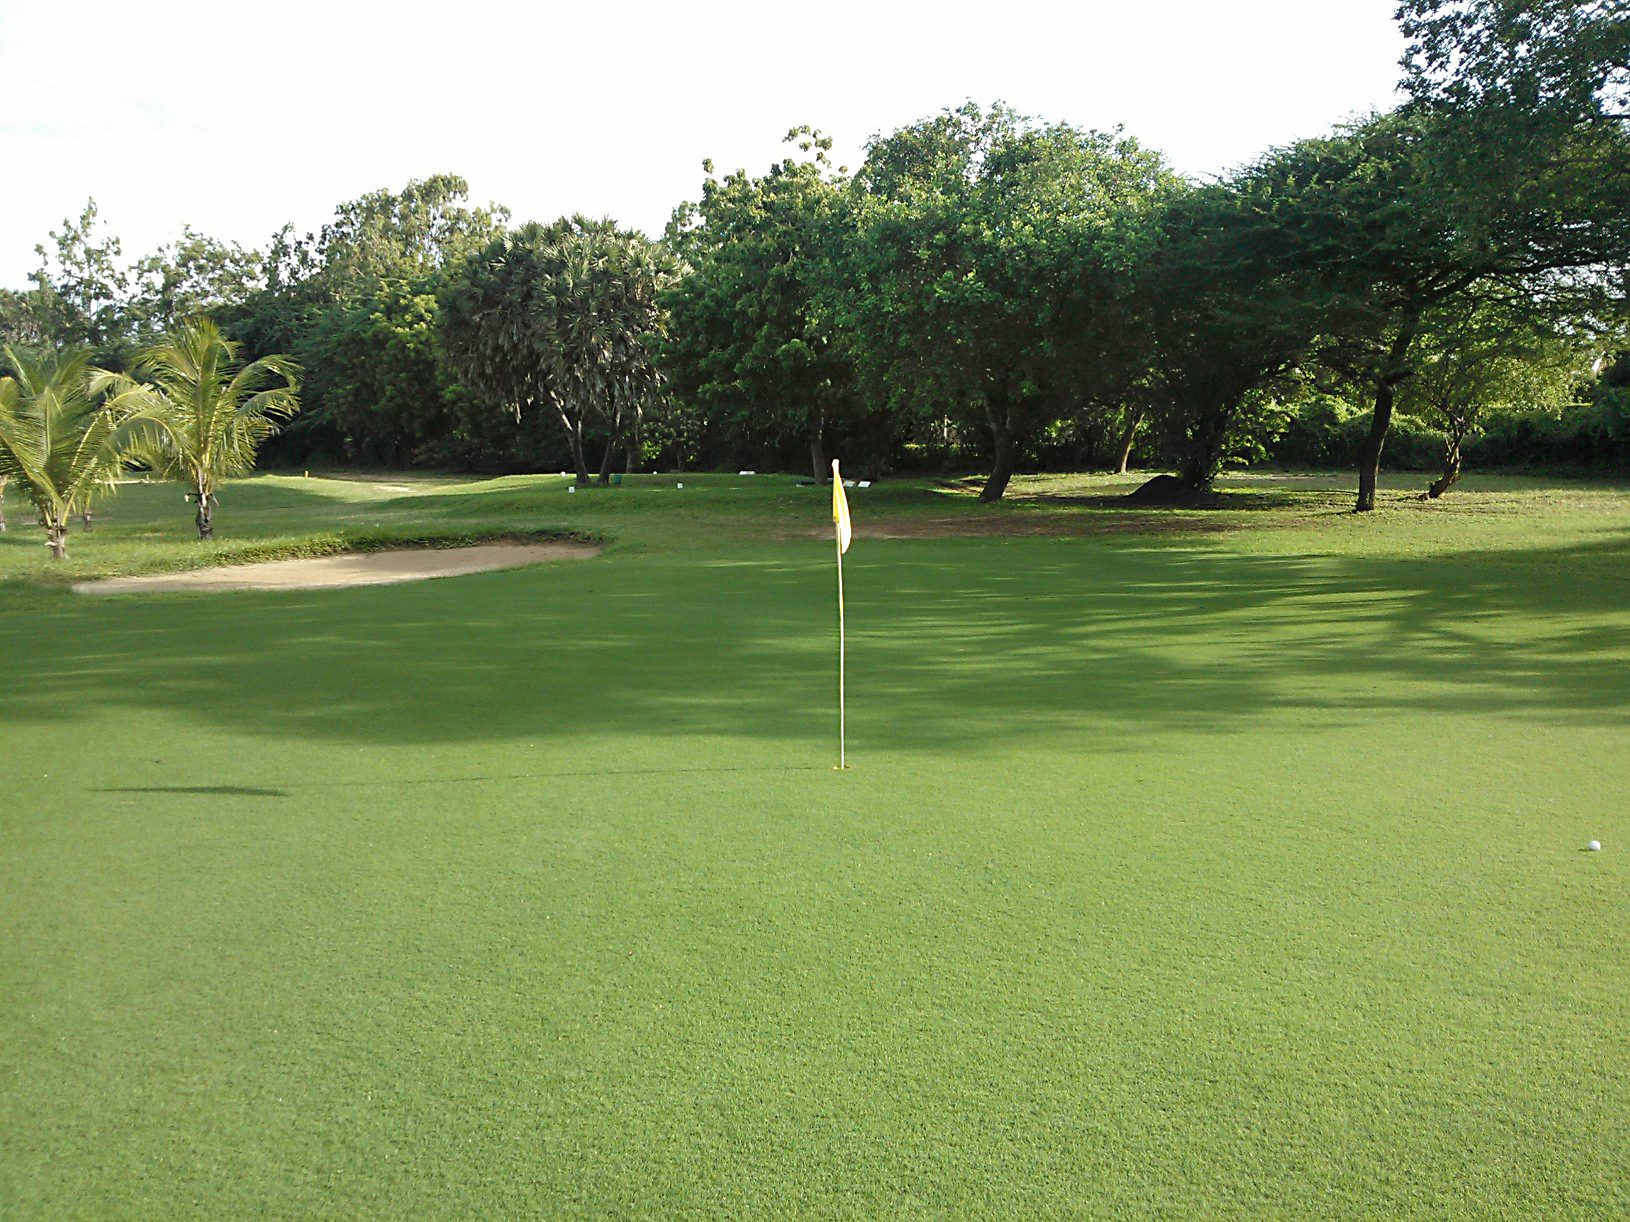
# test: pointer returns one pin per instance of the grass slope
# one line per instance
(1181, 870)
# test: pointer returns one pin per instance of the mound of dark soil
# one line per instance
(1170, 492)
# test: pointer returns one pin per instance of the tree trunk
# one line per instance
(1000, 419)
(581, 462)
(1451, 464)
(205, 517)
(1369, 456)
(85, 519)
(1451, 473)
(3, 504)
(605, 461)
(1126, 441)
(818, 461)
(56, 538)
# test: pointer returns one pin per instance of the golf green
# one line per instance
(1226, 865)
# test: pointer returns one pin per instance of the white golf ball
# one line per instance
(1595, 846)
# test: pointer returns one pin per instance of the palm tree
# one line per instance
(206, 417)
(61, 445)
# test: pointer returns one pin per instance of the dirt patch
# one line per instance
(353, 569)
(1041, 525)
(1170, 492)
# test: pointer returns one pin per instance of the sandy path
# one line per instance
(354, 569)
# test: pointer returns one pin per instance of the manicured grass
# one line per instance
(1225, 863)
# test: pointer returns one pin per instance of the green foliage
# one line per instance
(563, 317)
(1230, 312)
(1567, 56)
(747, 349)
(986, 277)
(61, 445)
(193, 277)
(351, 305)
(203, 416)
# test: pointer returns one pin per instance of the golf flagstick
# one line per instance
(840, 522)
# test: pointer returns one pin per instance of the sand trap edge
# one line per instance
(348, 570)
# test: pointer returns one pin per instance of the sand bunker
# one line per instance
(353, 569)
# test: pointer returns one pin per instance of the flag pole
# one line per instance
(840, 519)
(842, 763)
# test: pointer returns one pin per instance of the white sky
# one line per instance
(235, 118)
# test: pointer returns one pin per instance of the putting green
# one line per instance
(1229, 873)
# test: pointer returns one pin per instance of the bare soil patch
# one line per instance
(1053, 525)
(352, 569)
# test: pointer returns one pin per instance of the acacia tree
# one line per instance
(1570, 57)
(1230, 316)
(202, 416)
(1479, 355)
(1509, 168)
(60, 444)
(1402, 214)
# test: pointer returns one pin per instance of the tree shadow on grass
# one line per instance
(224, 791)
(951, 643)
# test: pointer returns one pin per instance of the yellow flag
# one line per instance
(840, 509)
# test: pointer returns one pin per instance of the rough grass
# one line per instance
(1222, 872)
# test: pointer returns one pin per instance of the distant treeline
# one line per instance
(986, 291)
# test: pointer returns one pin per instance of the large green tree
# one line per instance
(1508, 170)
(330, 295)
(1401, 214)
(985, 282)
(747, 348)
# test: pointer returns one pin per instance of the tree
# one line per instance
(1401, 214)
(202, 417)
(984, 283)
(79, 287)
(597, 322)
(1230, 316)
(1509, 167)
(564, 316)
(747, 348)
(484, 321)
(1474, 357)
(1568, 57)
(57, 441)
(193, 277)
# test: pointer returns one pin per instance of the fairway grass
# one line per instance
(1215, 863)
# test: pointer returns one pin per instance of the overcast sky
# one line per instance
(235, 118)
